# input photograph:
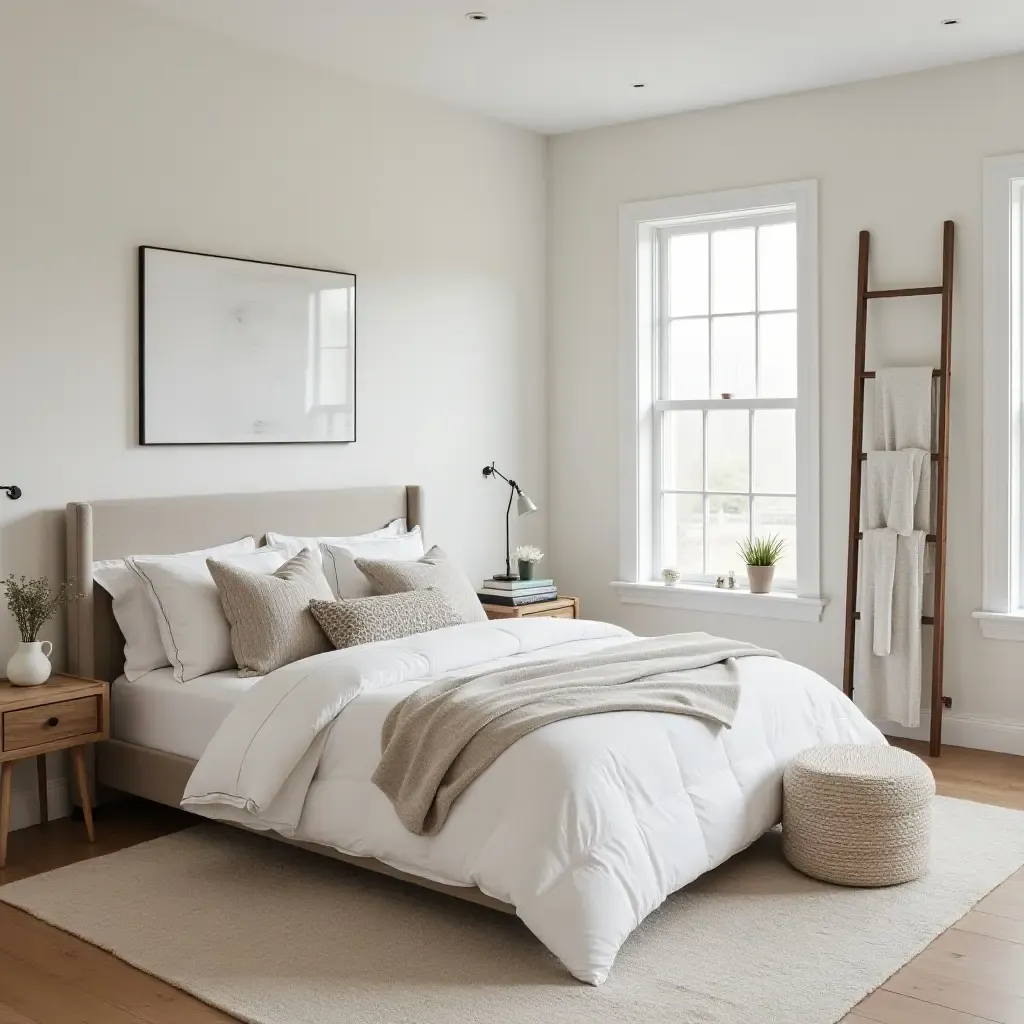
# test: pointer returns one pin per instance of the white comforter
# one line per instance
(585, 826)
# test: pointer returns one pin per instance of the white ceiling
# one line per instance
(557, 65)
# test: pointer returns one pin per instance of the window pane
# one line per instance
(688, 275)
(682, 545)
(684, 450)
(777, 356)
(733, 341)
(728, 524)
(778, 515)
(732, 271)
(775, 451)
(776, 266)
(688, 372)
(334, 317)
(728, 450)
(333, 376)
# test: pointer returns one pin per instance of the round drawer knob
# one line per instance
(51, 722)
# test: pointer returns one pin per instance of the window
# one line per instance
(329, 366)
(727, 389)
(721, 424)
(1002, 617)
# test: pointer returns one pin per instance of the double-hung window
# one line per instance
(720, 423)
(1002, 616)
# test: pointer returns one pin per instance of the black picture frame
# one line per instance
(145, 438)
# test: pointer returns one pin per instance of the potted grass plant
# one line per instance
(761, 555)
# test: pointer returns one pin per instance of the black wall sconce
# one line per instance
(13, 491)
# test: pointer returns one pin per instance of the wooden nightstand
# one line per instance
(560, 608)
(64, 713)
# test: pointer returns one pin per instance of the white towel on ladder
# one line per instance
(903, 408)
(896, 514)
(897, 490)
(887, 686)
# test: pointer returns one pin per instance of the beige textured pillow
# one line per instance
(271, 624)
(432, 572)
(365, 620)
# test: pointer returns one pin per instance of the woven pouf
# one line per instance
(858, 815)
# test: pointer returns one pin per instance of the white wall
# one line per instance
(896, 156)
(118, 128)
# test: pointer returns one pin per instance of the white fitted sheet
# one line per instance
(178, 718)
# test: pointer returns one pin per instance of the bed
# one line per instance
(147, 765)
(581, 828)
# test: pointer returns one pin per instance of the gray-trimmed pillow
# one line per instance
(365, 620)
(434, 571)
(271, 624)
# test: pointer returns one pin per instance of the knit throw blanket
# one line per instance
(437, 740)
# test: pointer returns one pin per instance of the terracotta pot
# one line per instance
(760, 578)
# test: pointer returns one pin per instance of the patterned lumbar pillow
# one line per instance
(271, 624)
(433, 571)
(365, 620)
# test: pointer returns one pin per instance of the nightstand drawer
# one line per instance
(559, 608)
(560, 613)
(49, 723)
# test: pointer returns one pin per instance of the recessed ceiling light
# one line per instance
(476, 16)
(950, 21)
(639, 85)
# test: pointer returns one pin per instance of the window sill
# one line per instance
(777, 605)
(1001, 625)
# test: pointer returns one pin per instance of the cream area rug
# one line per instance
(274, 935)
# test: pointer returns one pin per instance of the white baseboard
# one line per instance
(966, 731)
(25, 803)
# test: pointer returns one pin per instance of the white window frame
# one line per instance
(639, 228)
(1002, 614)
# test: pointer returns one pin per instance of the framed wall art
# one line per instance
(235, 351)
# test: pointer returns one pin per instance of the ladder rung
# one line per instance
(898, 293)
(864, 456)
(870, 374)
(930, 537)
(926, 620)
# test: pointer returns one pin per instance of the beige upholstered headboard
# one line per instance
(156, 526)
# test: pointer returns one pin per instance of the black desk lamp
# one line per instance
(523, 505)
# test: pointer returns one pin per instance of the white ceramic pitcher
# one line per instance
(30, 664)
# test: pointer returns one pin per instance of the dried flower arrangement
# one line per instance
(32, 603)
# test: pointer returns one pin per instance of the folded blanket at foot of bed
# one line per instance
(443, 736)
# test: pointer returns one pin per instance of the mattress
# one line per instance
(177, 718)
(181, 718)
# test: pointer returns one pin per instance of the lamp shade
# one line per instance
(524, 506)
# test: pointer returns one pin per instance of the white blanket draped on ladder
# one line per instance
(896, 516)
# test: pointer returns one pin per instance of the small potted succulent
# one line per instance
(32, 604)
(761, 555)
(528, 556)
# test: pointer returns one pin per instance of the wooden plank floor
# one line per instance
(972, 974)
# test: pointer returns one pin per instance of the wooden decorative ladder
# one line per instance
(940, 459)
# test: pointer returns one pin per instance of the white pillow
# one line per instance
(293, 545)
(195, 633)
(143, 648)
(340, 566)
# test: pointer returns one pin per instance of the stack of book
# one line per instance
(514, 593)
